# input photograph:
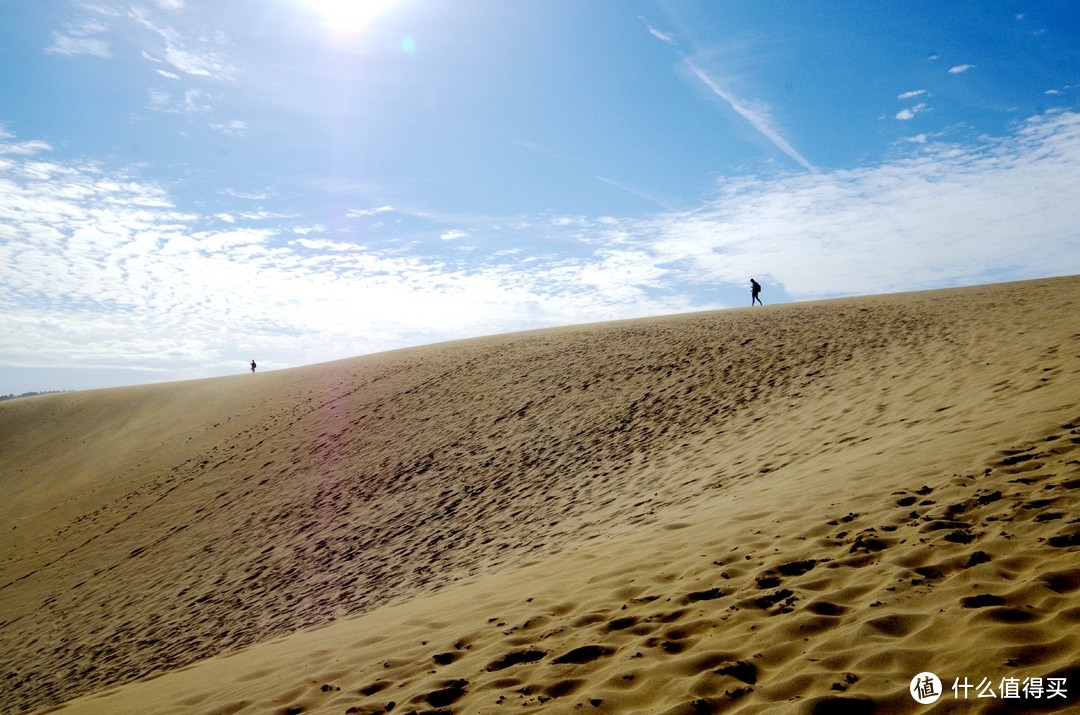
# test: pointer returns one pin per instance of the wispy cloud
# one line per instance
(235, 127)
(325, 245)
(190, 102)
(579, 221)
(912, 94)
(662, 36)
(758, 117)
(633, 192)
(178, 51)
(248, 195)
(200, 56)
(23, 148)
(81, 37)
(356, 213)
(452, 234)
(65, 45)
(905, 114)
(960, 69)
(263, 215)
(756, 113)
(945, 214)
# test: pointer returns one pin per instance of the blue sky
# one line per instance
(186, 185)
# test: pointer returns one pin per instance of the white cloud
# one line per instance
(663, 36)
(263, 215)
(167, 74)
(234, 128)
(214, 242)
(26, 148)
(80, 38)
(960, 69)
(202, 56)
(355, 213)
(71, 46)
(159, 99)
(905, 114)
(191, 102)
(579, 221)
(325, 245)
(87, 26)
(248, 195)
(194, 63)
(452, 235)
(910, 95)
(946, 214)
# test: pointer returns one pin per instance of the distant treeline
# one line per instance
(30, 394)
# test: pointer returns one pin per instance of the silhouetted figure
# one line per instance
(253, 366)
(755, 288)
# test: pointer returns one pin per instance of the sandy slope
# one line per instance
(792, 507)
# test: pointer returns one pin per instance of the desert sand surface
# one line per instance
(790, 508)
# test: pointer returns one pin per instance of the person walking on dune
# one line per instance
(755, 288)
(253, 366)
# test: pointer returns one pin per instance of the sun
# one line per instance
(349, 16)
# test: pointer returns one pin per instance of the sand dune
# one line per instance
(789, 508)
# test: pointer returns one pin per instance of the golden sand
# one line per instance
(794, 508)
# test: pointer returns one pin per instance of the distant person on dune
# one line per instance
(755, 288)
(253, 366)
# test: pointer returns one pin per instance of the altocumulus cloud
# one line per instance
(99, 267)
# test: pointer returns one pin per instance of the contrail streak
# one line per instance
(757, 120)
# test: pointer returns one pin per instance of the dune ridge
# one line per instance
(799, 506)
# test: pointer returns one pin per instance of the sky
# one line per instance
(188, 185)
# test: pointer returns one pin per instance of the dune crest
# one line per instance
(798, 506)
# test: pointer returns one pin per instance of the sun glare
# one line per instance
(349, 16)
